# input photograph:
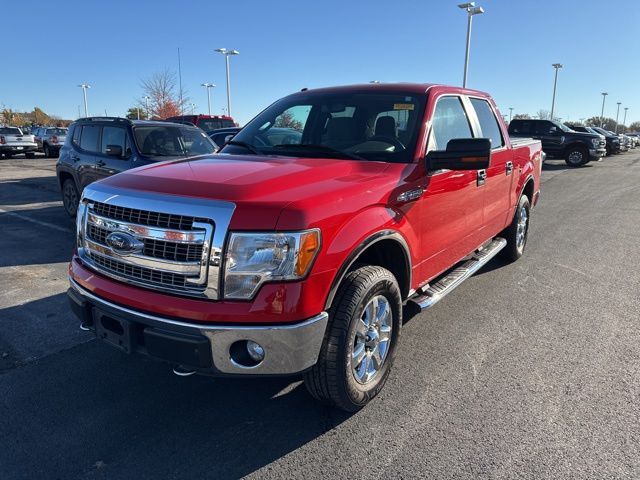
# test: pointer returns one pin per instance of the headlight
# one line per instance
(255, 258)
(595, 141)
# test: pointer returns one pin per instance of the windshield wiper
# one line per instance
(246, 145)
(320, 149)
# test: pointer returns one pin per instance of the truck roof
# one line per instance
(417, 88)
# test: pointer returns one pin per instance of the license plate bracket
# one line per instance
(114, 330)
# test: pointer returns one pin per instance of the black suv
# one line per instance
(613, 140)
(96, 148)
(559, 141)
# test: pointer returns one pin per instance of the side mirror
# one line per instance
(114, 150)
(461, 154)
(228, 138)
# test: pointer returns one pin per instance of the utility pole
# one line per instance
(557, 66)
(471, 10)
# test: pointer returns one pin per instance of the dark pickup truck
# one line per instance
(559, 141)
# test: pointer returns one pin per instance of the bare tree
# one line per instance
(521, 116)
(164, 99)
(544, 115)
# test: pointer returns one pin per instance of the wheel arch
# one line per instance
(383, 249)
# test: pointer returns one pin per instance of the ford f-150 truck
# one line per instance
(298, 258)
(13, 141)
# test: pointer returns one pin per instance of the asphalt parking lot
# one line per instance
(528, 370)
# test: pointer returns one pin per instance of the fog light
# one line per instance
(255, 351)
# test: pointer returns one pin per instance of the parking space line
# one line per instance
(33, 220)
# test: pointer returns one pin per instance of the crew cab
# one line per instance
(50, 140)
(13, 142)
(300, 258)
(559, 141)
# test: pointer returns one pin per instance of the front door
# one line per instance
(107, 165)
(452, 204)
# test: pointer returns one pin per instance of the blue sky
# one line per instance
(286, 45)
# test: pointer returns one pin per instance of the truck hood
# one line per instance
(260, 186)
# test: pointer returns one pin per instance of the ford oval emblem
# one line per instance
(123, 244)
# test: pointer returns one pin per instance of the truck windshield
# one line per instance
(208, 124)
(378, 126)
(56, 131)
(171, 141)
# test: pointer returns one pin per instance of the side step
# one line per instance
(446, 284)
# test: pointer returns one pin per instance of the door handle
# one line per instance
(75, 158)
(482, 177)
(509, 168)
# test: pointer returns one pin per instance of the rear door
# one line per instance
(107, 165)
(500, 171)
(84, 153)
(452, 204)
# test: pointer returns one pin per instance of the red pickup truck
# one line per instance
(289, 254)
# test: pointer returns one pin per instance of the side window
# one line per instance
(113, 136)
(449, 121)
(287, 127)
(89, 138)
(545, 128)
(76, 135)
(488, 123)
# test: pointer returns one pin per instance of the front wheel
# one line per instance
(46, 150)
(517, 233)
(360, 342)
(577, 157)
(70, 197)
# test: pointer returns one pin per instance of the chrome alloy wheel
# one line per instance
(521, 231)
(372, 341)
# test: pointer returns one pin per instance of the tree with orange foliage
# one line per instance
(164, 100)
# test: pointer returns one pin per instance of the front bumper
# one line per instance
(597, 152)
(205, 349)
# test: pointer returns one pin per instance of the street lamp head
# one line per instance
(208, 85)
(84, 85)
(233, 52)
(605, 93)
(476, 11)
(467, 5)
(618, 103)
(221, 50)
(557, 65)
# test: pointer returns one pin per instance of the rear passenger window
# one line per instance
(113, 136)
(89, 138)
(488, 123)
(76, 135)
(449, 121)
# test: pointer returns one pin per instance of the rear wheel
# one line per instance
(70, 197)
(360, 341)
(577, 157)
(46, 150)
(517, 233)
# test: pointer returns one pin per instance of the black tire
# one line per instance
(8, 155)
(332, 379)
(577, 156)
(514, 248)
(70, 197)
(46, 150)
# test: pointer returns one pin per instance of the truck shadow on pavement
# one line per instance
(92, 410)
(561, 166)
(30, 190)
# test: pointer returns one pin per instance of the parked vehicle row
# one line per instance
(50, 140)
(297, 249)
(205, 122)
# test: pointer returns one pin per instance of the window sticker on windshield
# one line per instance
(403, 106)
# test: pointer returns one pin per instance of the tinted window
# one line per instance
(161, 141)
(449, 121)
(10, 131)
(488, 123)
(76, 135)
(89, 138)
(208, 124)
(113, 136)
(56, 131)
(523, 127)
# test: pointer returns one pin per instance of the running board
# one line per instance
(446, 284)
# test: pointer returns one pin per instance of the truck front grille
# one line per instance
(145, 217)
(142, 274)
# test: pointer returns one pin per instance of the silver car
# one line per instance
(50, 139)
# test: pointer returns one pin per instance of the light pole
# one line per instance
(471, 11)
(557, 66)
(193, 109)
(84, 87)
(617, 115)
(226, 54)
(624, 121)
(209, 86)
(604, 97)
(146, 105)
(510, 113)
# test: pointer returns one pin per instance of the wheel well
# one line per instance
(391, 255)
(574, 145)
(64, 176)
(528, 190)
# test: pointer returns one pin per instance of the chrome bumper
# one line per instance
(289, 348)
